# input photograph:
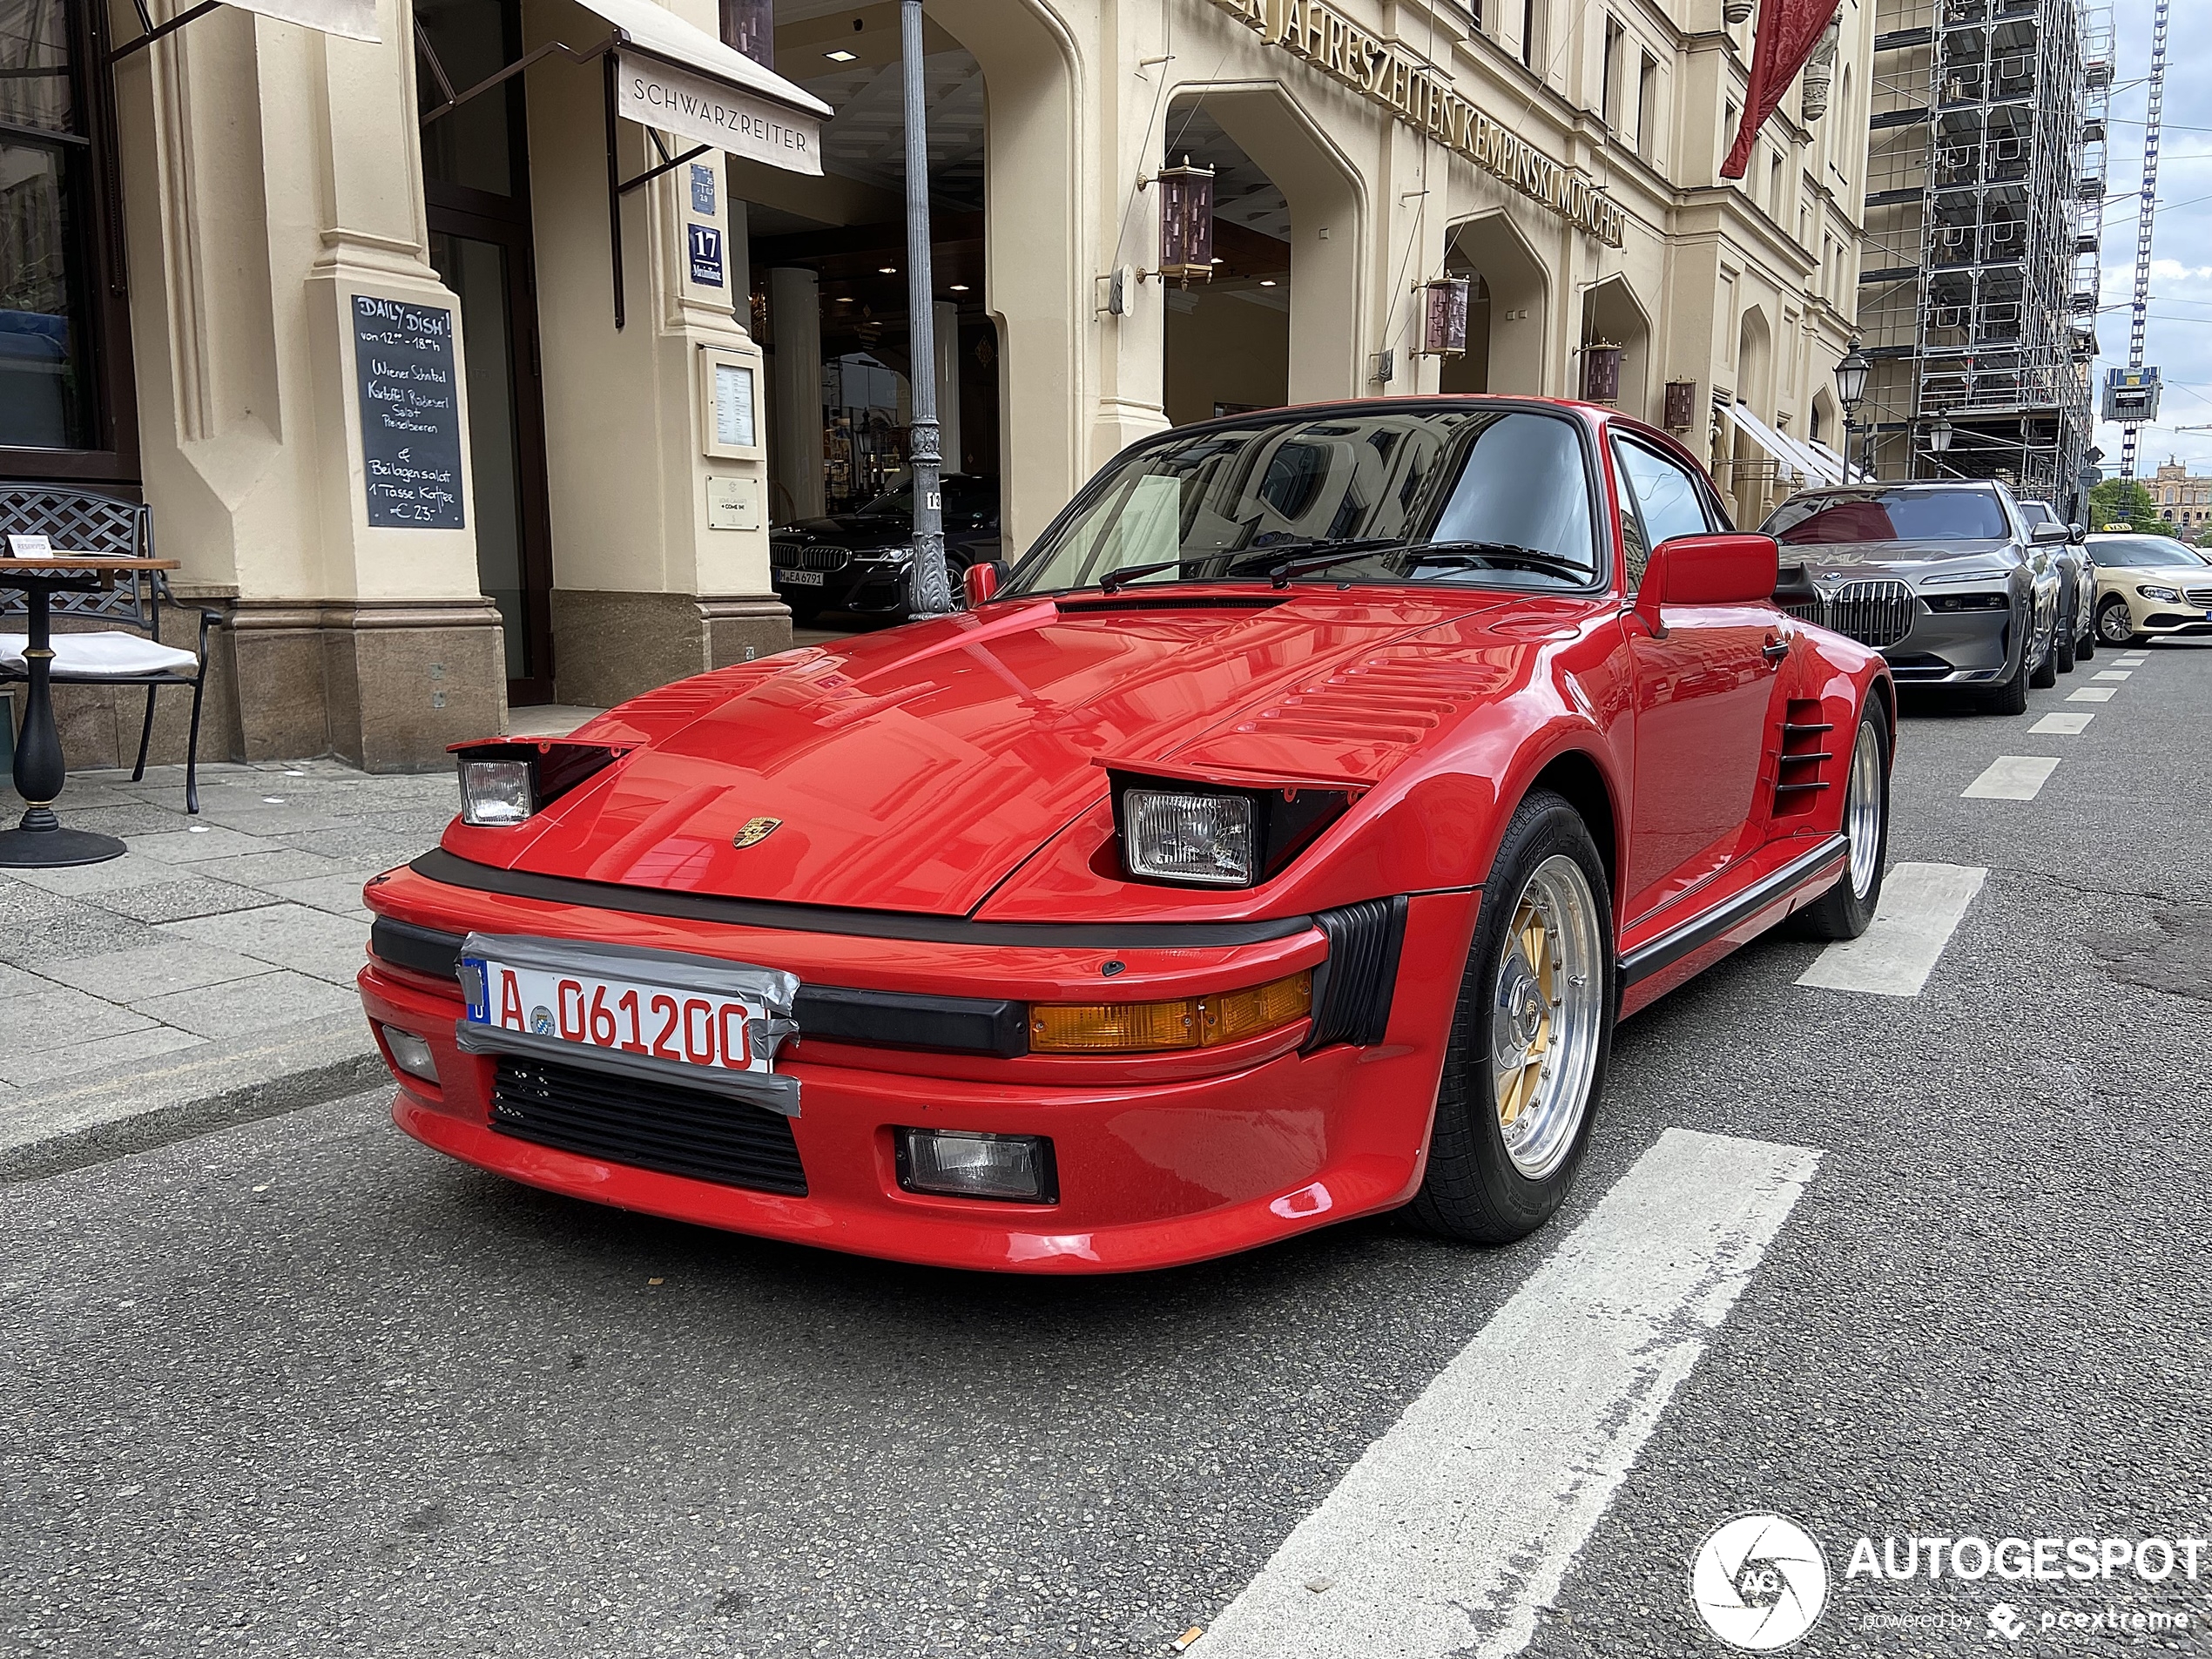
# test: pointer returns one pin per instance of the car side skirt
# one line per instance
(1734, 919)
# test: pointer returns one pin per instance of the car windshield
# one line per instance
(1889, 516)
(1466, 494)
(2141, 552)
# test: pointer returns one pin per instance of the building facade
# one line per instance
(1978, 286)
(2184, 500)
(225, 223)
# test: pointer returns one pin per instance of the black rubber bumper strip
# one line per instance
(1701, 931)
(454, 871)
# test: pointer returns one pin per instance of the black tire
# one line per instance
(2046, 673)
(2011, 697)
(2086, 647)
(1471, 1190)
(2062, 646)
(1845, 910)
(2114, 626)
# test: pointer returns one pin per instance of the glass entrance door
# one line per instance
(476, 186)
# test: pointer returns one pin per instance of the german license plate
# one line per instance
(628, 1016)
(800, 579)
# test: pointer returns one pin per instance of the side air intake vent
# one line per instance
(1352, 999)
(1801, 769)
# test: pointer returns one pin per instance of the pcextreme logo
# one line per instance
(1759, 1583)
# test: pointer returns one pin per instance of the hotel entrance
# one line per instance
(475, 166)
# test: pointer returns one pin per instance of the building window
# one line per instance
(1531, 33)
(65, 406)
(1646, 105)
(1774, 188)
(1609, 72)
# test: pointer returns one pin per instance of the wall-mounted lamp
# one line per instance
(1600, 371)
(1444, 317)
(1186, 222)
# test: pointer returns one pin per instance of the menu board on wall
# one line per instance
(410, 414)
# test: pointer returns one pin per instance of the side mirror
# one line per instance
(1727, 570)
(2045, 534)
(979, 583)
(2076, 533)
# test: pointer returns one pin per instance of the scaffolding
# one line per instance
(1978, 279)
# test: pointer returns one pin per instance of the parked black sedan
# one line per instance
(859, 560)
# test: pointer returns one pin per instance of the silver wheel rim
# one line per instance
(1546, 1011)
(2112, 623)
(1863, 812)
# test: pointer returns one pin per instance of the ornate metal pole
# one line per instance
(930, 592)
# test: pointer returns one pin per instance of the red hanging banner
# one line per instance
(1787, 33)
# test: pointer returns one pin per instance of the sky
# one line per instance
(2178, 341)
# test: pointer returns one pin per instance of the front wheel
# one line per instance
(1530, 1037)
(2115, 625)
(2047, 670)
(1845, 910)
(2011, 697)
(2062, 646)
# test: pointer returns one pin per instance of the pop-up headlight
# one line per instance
(1209, 835)
(502, 784)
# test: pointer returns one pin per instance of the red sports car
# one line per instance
(1278, 843)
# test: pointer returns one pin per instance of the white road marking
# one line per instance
(2114, 674)
(2011, 777)
(1454, 1527)
(1921, 906)
(2093, 694)
(2138, 655)
(2070, 724)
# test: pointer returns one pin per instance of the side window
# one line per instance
(1667, 497)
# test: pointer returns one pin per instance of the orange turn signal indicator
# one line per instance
(1185, 1022)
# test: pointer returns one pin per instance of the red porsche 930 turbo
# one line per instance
(1279, 843)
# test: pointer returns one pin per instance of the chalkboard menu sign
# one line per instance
(410, 414)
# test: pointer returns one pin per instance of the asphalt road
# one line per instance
(303, 1387)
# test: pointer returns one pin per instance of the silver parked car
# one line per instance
(2077, 585)
(1947, 580)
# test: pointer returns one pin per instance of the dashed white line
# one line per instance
(2011, 777)
(2114, 674)
(1921, 906)
(1451, 1529)
(2094, 694)
(2067, 725)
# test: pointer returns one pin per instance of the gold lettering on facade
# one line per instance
(1421, 96)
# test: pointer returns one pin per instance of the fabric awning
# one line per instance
(676, 77)
(1796, 456)
(349, 19)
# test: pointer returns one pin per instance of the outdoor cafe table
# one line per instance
(39, 842)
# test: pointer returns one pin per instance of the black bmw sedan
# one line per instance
(857, 561)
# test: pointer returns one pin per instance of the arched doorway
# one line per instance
(1612, 317)
(1226, 342)
(1506, 308)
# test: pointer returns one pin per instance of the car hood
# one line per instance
(846, 530)
(916, 769)
(1911, 561)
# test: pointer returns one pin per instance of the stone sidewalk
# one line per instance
(220, 951)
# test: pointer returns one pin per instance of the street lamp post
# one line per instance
(1939, 432)
(1850, 387)
(930, 592)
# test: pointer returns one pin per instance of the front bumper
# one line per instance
(868, 583)
(1162, 1160)
(2163, 619)
(1957, 647)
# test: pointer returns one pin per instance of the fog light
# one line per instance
(963, 1163)
(495, 792)
(410, 1054)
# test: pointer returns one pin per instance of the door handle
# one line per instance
(1775, 650)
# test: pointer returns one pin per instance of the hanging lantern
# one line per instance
(750, 26)
(1681, 403)
(1186, 221)
(1602, 372)
(1444, 323)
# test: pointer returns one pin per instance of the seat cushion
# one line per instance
(107, 655)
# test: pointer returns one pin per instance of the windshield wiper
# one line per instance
(1478, 555)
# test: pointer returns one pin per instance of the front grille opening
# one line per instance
(648, 1125)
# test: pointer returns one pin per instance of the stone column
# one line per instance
(795, 393)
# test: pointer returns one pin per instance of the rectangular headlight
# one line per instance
(967, 1164)
(495, 791)
(1217, 835)
(1204, 839)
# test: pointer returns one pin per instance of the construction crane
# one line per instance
(2145, 221)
